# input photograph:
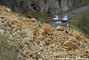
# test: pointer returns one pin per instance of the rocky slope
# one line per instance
(37, 41)
(44, 6)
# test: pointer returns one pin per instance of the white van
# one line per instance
(65, 18)
(56, 18)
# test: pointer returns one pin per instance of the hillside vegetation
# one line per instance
(81, 22)
(7, 50)
(36, 15)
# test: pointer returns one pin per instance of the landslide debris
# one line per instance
(41, 41)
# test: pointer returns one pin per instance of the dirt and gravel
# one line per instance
(37, 41)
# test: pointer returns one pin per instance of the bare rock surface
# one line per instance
(37, 41)
(51, 7)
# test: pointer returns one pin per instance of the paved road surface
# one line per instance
(70, 14)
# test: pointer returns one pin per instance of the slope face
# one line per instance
(41, 41)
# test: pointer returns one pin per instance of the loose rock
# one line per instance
(41, 41)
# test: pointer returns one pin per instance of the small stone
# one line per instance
(10, 37)
(28, 19)
(69, 44)
(33, 19)
(7, 9)
(26, 46)
(76, 34)
(22, 33)
(1, 31)
(29, 34)
(60, 28)
(48, 29)
(41, 31)
(41, 37)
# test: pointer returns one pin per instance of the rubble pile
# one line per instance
(41, 41)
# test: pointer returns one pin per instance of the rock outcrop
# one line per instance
(44, 6)
(41, 41)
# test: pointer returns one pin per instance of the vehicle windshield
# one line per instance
(56, 16)
(65, 17)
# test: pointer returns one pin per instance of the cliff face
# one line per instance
(44, 6)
